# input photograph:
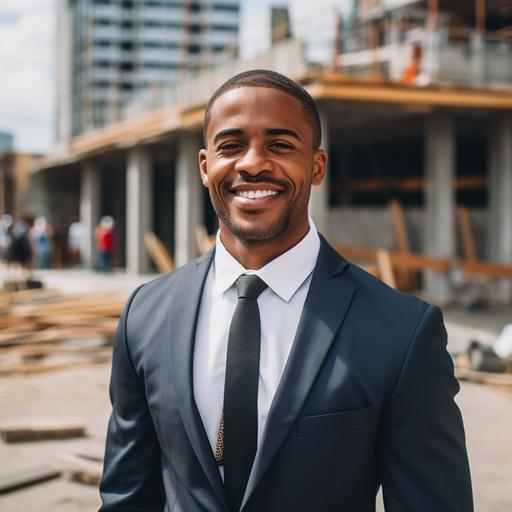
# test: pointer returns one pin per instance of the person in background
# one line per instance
(75, 241)
(41, 237)
(5, 235)
(105, 242)
(20, 252)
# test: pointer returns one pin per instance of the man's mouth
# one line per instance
(255, 194)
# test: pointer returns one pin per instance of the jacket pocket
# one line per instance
(321, 424)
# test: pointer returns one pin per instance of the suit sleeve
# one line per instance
(132, 473)
(423, 460)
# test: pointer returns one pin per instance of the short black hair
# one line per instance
(272, 80)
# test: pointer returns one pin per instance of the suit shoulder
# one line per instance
(381, 296)
(159, 289)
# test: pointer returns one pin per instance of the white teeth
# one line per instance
(255, 194)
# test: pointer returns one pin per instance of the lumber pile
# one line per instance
(44, 330)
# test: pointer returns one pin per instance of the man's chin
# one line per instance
(253, 232)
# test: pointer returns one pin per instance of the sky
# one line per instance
(27, 72)
(27, 66)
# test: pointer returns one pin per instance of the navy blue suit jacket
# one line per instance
(366, 399)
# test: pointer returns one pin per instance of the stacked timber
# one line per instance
(42, 330)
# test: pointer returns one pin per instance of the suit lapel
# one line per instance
(328, 299)
(182, 329)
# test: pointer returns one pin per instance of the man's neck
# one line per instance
(255, 254)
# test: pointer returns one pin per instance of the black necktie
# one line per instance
(241, 389)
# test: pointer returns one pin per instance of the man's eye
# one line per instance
(281, 145)
(230, 146)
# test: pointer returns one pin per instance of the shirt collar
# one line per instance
(283, 274)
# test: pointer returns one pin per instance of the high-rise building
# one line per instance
(112, 50)
(6, 142)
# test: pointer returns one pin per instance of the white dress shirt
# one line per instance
(288, 278)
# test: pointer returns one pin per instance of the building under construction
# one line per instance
(416, 108)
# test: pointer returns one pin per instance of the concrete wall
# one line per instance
(373, 227)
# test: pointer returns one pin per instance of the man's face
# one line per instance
(260, 164)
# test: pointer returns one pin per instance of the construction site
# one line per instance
(415, 100)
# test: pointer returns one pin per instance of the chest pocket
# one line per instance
(331, 423)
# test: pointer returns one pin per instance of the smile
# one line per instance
(255, 194)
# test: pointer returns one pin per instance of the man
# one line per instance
(271, 374)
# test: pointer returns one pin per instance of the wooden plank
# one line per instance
(20, 479)
(404, 279)
(39, 430)
(418, 261)
(494, 379)
(409, 185)
(468, 240)
(33, 368)
(397, 214)
(385, 268)
(81, 469)
(158, 253)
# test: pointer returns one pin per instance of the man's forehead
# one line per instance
(244, 96)
(261, 102)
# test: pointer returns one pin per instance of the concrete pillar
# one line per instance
(90, 204)
(189, 198)
(440, 233)
(139, 209)
(319, 199)
(500, 197)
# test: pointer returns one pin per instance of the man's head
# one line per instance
(261, 156)
(271, 80)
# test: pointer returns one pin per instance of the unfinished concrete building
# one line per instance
(111, 52)
(395, 130)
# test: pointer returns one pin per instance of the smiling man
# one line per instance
(271, 374)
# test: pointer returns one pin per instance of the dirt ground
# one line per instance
(82, 394)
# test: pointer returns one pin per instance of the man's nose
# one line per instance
(254, 161)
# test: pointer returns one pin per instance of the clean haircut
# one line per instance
(271, 80)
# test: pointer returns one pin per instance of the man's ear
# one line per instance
(203, 166)
(319, 166)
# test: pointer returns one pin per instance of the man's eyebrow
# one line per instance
(226, 133)
(282, 131)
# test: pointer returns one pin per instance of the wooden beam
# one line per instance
(386, 268)
(158, 253)
(41, 430)
(468, 240)
(20, 479)
(415, 261)
(397, 95)
(480, 15)
(410, 185)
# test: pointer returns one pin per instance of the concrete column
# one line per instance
(440, 233)
(189, 198)
(500, 197)
(90, 204)
(319, 199)
(139, 209)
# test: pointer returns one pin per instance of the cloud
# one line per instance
(27, 69)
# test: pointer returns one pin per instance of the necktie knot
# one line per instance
(249, 286)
